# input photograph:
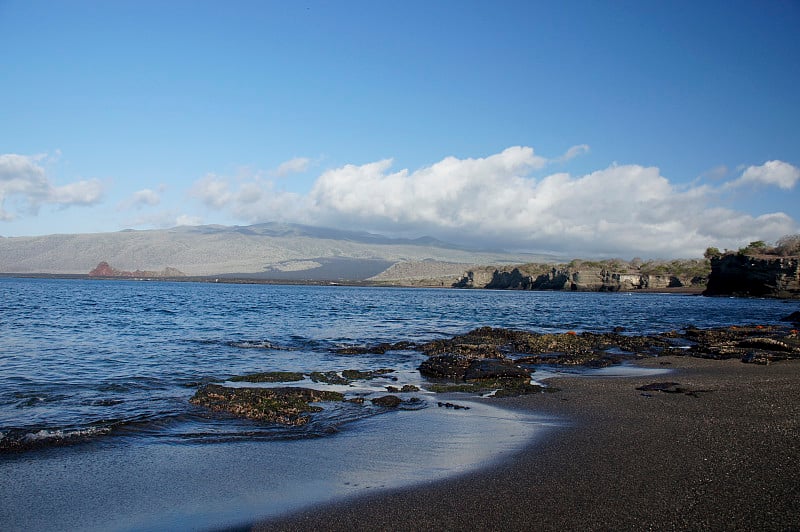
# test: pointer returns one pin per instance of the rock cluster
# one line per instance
(500, 361)
(755, 344)
(291, 405)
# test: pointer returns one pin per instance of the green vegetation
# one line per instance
(686, 268)
(683, 268)
(786, 246)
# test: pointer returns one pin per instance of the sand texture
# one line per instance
(719, 450)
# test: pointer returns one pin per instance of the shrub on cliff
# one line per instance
(788, 245)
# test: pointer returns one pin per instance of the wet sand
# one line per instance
(725, 456)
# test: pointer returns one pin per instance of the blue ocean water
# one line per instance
(88, 360)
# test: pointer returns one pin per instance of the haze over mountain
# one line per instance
(268, 250)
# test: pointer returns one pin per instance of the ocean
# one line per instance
(97, 432)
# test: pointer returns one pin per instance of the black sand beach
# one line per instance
(718, 451)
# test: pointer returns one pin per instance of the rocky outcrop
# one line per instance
(104, 269)
(473, 279)
(500, 353)
(583, 280)
(739, 274)
(288, 406)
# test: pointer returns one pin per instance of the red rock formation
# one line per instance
(104, 269)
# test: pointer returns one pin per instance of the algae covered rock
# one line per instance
(462, 368)
(464, 374)
(388, 401)
(269, 376)
(287, 405)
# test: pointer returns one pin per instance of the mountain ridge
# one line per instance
(254, 249)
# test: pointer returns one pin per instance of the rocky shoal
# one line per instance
(491, 361)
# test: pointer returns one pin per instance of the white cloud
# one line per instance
(292, 166)
(142, 198)
(622, 210)
(24, 179)
(212, 190)
(777, 173)
(574, 151)
(253, 199)
(450, 193)
(146, 197)
(186, 219)
(78, 193)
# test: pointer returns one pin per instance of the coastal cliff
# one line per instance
(612, 276)
(740, 274)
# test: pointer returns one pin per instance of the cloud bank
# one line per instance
(498, 202)
(24, 181)
(511, 200)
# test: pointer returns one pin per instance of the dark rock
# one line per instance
(378, 349)
(354, 374)
(347, 376)
(407, 388)
(452, 405)
(287, 405)
(671, 388)
(328, 377)
(494, 369)
(451, 367)
(794, 317)
(269, 376)
(518, 389)
(657, 386)
(388, 401)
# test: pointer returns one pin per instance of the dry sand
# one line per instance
(726, 457)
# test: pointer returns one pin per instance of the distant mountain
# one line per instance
(267, 251)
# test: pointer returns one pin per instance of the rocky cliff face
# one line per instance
(754, 276)
(583, 280)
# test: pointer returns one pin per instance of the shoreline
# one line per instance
(187, 486)
(223, 279)
(723, 456)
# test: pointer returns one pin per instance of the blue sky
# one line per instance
(585, 128)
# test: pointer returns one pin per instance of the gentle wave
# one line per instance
(14, 440)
